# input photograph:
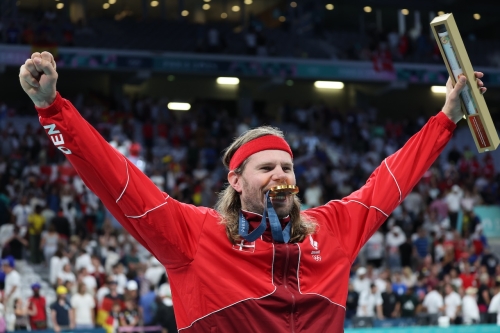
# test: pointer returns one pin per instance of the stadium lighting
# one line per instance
(206, 6)
(105, 5)
(329, 6)
(293, 4)
(248, 2)
(60, 5)
(438, 89)
(223, 15)
(282, 19)
(476, 16)
(405, 11)
(206, 0)
(329, 84)
(367, 9)
(177, 106)
(228, 80)
(185, 13)
(235, 8)
(154, 3)
(440, 13)
(112, 2)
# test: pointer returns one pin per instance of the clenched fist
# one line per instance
(38, 78)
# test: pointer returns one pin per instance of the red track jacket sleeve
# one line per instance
(167, 228)
(355, 218)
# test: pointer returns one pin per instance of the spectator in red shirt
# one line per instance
(468, 278)
(36, 309)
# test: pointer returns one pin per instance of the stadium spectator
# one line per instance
(129, 317)
(391, 305)
(361, 282)
(470, 310)
(395, 238)
(15, 245)
(352, 301)
(131, 291)
(433, 304)
(20, 214)
(370, 303)
(83, 306)
(154, 272)
(147, 306)
(67, 277)
(89, 281)
(398, 286)
(49, 242)
(452, 303)
(62, 314)
(494, 307)
(409, 303)
(468, 278)
(121, 279)
(21, 315)
(12, 291)
(37, 309)
(453, 199)
(483, 294)
(36, 224)
(375, 250)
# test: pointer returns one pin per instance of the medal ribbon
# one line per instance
(278, 234)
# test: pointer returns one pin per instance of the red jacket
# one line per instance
(257, 287)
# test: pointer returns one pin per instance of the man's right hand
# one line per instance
(38, 78)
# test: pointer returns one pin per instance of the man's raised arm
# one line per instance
(167, 228)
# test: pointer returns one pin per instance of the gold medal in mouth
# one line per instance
(283, 189)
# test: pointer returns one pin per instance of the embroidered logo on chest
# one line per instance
(316, 253)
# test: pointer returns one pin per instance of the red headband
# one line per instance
(266, 142)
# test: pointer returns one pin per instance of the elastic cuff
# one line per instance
(52, 109)
(445, 121)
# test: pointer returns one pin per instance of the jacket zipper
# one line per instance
(285, 280)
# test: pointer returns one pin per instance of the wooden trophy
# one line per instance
(457, 62)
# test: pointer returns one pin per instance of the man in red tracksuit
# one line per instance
(231, 269)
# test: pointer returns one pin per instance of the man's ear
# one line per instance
(234, 180)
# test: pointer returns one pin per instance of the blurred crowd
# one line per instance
(263, 35)
(40, 28)
(429, 257)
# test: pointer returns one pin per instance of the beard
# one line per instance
(254, 201)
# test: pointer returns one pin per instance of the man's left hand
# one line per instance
(453, 107)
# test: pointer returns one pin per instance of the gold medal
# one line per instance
(283, 189)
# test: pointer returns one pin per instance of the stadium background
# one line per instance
(122, 62)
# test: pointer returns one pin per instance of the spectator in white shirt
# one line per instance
(394, 239)
(154, 272)
(452, 303)
(313, 195)
(20, 213)
(83, 304)
(83, 260)
(369, 300)
(56, 264)
(89, 281)
(453, 199)
(66, 277)
(120, 277)
(433, 304)
(470, 310)
(361, 282)
(494, 306)
(375, 250)
(12, 290)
